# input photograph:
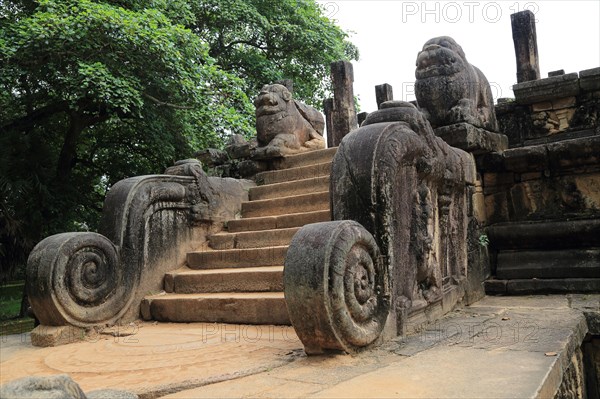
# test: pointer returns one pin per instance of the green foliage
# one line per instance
(262, 41)
(483, 240)
(94, 91)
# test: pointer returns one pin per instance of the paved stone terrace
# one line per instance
(499, 347)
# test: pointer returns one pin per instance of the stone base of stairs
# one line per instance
(536, 286)
(236, 308)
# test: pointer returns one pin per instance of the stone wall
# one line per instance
(552, 170)
(556, 108)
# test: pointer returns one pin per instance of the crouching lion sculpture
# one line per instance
(449, 89)
(285, 126)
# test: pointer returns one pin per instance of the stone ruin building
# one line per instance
(424, 207)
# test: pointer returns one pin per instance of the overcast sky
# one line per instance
(389, 34)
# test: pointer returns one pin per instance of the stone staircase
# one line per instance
(239, 278)
(545, 257)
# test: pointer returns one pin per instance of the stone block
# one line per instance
(495, 287)
(547, 89)
(556, 73)
(526, 159)
(565, 102)
(552, 286)
(565, 263)
(589, 79)
(498, 179)
(45, 336)
(472, 139)
(211, 157)
(574, 153)
(543, 106)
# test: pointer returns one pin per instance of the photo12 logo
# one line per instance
(466, 11)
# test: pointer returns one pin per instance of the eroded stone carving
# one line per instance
(54, 387)
(336, 287)
(285, 126)
(148, 225)
(449, 89)
(410, 190)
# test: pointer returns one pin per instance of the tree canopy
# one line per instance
(92, 92)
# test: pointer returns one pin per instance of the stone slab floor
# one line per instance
(500, 347)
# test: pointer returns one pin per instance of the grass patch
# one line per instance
(10, 300)
(10, 306)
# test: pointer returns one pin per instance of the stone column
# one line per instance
(383, 93)
(525, 40)
(361, 117)
(344, 113)
(328, 110)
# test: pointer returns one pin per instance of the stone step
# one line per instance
(551, 235)
(278, 222)
(252, 239)
(227, 307)
(298, 173)
(236, 258)
(548, 264)
(305, 158)
(290, 188)
(286, 205)
(250, 279)
(538, 286)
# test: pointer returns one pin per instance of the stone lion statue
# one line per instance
(449, 89)
(285, 126)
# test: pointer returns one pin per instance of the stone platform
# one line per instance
(499, 347)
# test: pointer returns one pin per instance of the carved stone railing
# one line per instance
(148, 224)
(336, 287)
(408, 189)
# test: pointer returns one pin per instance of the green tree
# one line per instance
(92, 92)
(262, 41)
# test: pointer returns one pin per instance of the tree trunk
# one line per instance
(69, 148)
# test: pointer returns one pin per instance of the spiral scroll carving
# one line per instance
(81, 284)
(336, 287)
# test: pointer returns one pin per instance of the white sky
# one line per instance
(389, 34)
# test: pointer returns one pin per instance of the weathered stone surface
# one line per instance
(472, 139)
(556, 73)
(53, 387)
(343, 112)
(591, 364)
(285, 126)
(45, 336)
(149, 223)
(547, 89)
(589, 79)
(328, 111)
(551, 181)
(449, 89)
(56, 387)
(525, 41)
(546, 234)
(235, 308)
(336, 287)
(361, 117)
(537, 286)
(408, 188)
(238, 147)
(565, 263)
(211, 157)
(383, 93)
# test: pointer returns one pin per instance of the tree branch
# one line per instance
(166, 104)
(36, 116)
